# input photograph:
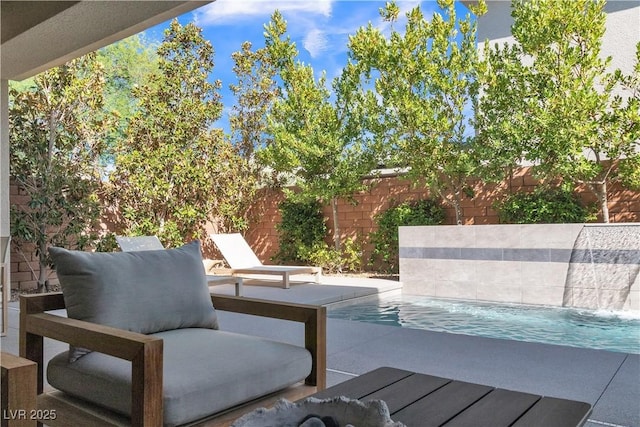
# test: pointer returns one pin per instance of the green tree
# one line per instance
(549, 100)
(127, 64)
(173, 163)
(426, 82)
(313, 139)
(255, 93)
(235, 185)
(624, 114)
(57, 129)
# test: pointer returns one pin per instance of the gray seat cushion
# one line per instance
(205, 371)
(145, 291)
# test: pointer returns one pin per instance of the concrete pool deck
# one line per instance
(609, 381)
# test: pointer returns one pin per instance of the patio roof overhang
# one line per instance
(38, 35)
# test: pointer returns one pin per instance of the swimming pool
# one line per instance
(552, 325)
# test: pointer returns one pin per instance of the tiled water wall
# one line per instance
(604, 266)
(592, 266)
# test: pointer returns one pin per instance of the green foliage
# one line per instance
(127, 64)
(625, 113)
(174, 171)
(301, 238)
(108, 243)
(234, 189)
(385, 238)
(543, 206)
(313, 140)
(346, 259)
(424, 83)
(57, 130)
(301, 229)
(548, 99)
(255, 92)
(22, 85)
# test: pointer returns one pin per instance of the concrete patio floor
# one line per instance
(609, 381)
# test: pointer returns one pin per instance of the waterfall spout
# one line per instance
(604, 267)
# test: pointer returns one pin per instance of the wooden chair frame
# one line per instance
(145, 352)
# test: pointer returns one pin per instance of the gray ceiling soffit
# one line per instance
(20, 16)
(57, 34)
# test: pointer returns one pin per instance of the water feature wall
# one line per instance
(604, 268)
(579, 265)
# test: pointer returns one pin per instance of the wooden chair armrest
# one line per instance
(39, 303)
(115, 342)
(265, 308)
(144, 352)
(315, 326)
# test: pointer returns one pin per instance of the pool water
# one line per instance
(614, 331)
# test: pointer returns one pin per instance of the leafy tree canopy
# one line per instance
(550, 100)
(425, 79)
(173, 166)
(312, 137)
(255, 91)
(57, 129)
(127, 65)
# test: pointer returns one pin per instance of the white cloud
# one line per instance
(315, 42)
(228, 11)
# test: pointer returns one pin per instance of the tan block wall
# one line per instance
(262, 235)
(357, 220)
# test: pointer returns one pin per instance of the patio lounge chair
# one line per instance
(152, 243)
(145, 345)
(242, 260)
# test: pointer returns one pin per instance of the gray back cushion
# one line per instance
(144, 291)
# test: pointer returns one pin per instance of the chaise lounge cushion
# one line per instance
(205, 371)
(145, 291)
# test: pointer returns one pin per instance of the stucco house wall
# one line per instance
(619, 41)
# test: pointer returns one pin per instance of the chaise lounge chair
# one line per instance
(152, 243)
(242, 260)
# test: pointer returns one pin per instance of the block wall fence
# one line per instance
(357, 220)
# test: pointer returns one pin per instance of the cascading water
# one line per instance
(604, 267)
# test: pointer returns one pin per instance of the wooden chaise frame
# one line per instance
(146, 352)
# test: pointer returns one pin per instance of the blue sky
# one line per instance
(319, 28)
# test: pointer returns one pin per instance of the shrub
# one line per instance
(543, 206)
(302, 228)
(334, 261)
(385, 239)
(107, 243)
